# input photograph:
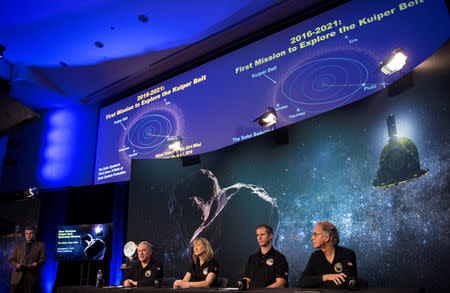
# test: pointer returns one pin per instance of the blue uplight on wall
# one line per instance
(67, 146)
(66, 159)
(57, 152)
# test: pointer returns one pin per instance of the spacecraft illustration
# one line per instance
(94, 249)
(399, 159)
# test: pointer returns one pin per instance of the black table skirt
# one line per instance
(91, 289)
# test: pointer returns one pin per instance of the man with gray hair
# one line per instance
(331, 266)
(146, 272)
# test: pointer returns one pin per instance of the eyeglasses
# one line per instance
(316, 234)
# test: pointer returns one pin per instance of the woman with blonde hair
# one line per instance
(203, 269)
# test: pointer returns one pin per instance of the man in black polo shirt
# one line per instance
(268, 267)
(331, 266)
(146, 271)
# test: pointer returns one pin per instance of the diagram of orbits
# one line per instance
(399, 159)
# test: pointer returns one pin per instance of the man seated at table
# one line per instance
(146, 272)
(268, 267)
(331, 266)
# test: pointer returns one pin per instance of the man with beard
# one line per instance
(268, 267)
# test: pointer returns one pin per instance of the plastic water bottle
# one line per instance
(99, 283)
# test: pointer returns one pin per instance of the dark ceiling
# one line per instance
(64, 53)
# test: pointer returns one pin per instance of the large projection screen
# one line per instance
(320, 64)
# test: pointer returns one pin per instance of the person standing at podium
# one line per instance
(146, 272)
(26, 260)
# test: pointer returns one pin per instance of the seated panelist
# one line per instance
(331, 266)
(268, 267)
(203, 270)
(146, 272)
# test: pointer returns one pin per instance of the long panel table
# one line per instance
(91, 289)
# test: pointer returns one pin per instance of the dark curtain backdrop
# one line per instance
(119, 230)
(94, 204)
(51, 214)
(87, 205)
(3, 144)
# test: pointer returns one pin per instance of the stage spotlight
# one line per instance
(175, 144)
(395, 62)
(267, 119)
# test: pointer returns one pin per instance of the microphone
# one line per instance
(156, 284)
(353, 283)
(242, 285)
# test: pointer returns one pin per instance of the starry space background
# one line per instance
(400, 234)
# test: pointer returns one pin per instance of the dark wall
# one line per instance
(13, 114)
(55, 151)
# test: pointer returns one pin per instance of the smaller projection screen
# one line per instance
(83, 242)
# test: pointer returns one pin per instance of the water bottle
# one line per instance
(99, 283)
